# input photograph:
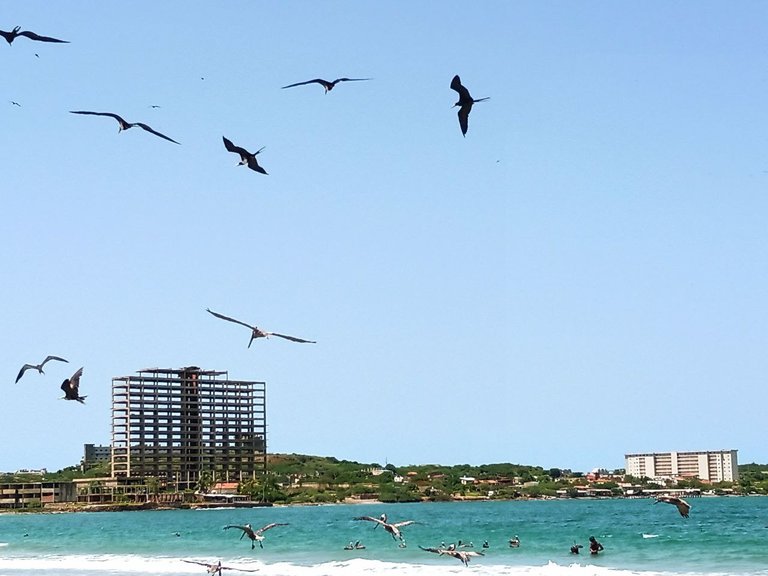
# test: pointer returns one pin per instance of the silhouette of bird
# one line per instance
(325, 83)
(38, 367)
(123, 124)
(255, 535)
(464, 556)
(393, 528)
(17, 31)
(682, 506)
(257, 332)
(71, 387)
(465, 103)
(245, 156)
(217, 567)
(15, 103)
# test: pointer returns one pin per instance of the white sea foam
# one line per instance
(130, 565)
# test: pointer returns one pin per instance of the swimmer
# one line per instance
(486, 545)
(575, 548)
(514, 542)
(594, 546)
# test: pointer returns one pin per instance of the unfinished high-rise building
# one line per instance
(187, 424)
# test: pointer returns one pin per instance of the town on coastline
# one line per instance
(190, 437)
(302, 479)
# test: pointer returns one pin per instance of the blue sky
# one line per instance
(584, 275)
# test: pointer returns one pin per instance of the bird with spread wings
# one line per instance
(256, 332)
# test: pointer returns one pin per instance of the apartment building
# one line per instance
(709, 466)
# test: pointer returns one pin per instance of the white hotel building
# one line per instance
(719, 466)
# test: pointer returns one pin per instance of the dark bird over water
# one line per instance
(245, 156)
(682, 506)
(463, 556)
(465, 103)
(17, 31)
(393, 528)
(38, 367)
(257, 332)
(123, 125)
(255, 535)
(71, 387)
(325, 84)
(216, 568)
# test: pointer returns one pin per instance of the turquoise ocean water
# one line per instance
(722, 536)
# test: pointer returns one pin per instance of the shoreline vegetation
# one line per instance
(294, 479)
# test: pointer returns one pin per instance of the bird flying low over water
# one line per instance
(123, 124)
(682, 506)
(325, 83)
(257, 332)
(17, 31)
(464, 556)
(216, 568)
(255, 535)
(245, 156)
(465, 103)
(71, 387)
(38, 367)
(393, 529)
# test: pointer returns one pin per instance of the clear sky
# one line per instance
(584, 275)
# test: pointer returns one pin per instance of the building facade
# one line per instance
(717, 466)
(188, 426)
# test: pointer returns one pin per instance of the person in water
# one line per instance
(486, 545)
(594, 546)
(575, 548)
(514, 542)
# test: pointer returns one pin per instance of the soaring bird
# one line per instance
(17, 31)
(71, 387)
(245, 156)
(464, 556)
(255, 535)
(217, 567)
(393, 529)
(325, 83)
(465, 103)
(38, 367)
(682, 506)
(257, 332)
(123, 124)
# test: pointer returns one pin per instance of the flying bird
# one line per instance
(17, 31)
(393, 528)
(682, 506)
(257, 332)
(245, 156)
(325, 83)
(255, 535)
(123, 124)
(38, 367)
(464, 556)
(465, 103)
(71, 387)
(15, 103)
(216, 568)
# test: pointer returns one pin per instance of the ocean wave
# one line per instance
(131, 565)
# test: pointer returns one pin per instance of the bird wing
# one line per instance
(253, 164)
(370, 519)
(7, 35)
(464, 118)
(74, 382)
(232, 148)
(245, 529)
(292, 338)
(230, 319)
(456, 85)
(405, 523)
(268, 526)
(683, 507)
(24, 369)
(110, 114)
(33, 36)
(349, 80)
(206, 564)
(47, 358)
(155, 132)
(435, 550)
(315, 81)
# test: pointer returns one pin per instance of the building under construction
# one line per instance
(187, 424)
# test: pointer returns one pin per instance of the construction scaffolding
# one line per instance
(185, 425)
